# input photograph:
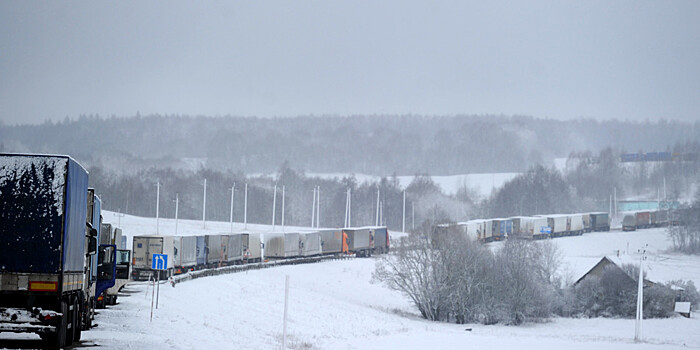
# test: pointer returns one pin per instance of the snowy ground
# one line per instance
(336, 305)
(481, 184)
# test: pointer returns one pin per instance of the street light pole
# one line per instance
(204, 206)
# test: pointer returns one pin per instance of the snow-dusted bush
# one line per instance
(450, 278)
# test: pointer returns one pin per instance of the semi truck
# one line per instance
(46, 246)
(122, 261)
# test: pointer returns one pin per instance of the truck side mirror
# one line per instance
(93, 232)
(92, 245)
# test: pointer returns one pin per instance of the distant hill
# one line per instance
(380, 145)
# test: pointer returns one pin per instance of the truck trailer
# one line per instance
(46, 244)
(358, 241)
(143, 249)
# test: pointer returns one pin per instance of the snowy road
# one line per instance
(336, 305)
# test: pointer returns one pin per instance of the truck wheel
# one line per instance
(77, 326)
(58, 339)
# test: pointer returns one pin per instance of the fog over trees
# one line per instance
(127, 156)
(377, 145)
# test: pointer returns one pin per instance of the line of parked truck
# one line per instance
(645, 219)
(553, 225)
(531, 227)
(58, 262)
(191, 253)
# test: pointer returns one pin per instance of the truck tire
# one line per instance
(77, 324)
(58, 339)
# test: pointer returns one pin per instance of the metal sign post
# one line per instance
(159, 263)
(286, 301)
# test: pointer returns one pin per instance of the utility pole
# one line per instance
(313, 208)
(274, 203)
(233, 189)
(376, 218)
(318, 207)
(157, 205)
(245, 208)
(403, 221)
(640, 295)
(413, 216)
(282, 208)
(119, 217)
(177, 204)
(204, 206)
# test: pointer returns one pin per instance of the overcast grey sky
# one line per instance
(556, 59)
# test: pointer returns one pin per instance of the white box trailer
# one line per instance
(331, 241)
(234, 248)
(185, 257)
(358, 240)
(214, 250)
(310, 243)
(540, 227)
(576, 225)
(282, 245)
(251, 247)
(485, 230)
(523, 227)
(472, 229)
(558, 224)
(143, 249)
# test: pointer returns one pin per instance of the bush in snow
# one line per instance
(450, 278)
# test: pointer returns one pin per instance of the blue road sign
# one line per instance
(545, 229)
(160, 262)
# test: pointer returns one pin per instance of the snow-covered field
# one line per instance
(336, 305)
(481, 184)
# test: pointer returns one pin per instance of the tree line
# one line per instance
(370, 144)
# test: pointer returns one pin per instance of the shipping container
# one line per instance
(143, 249)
